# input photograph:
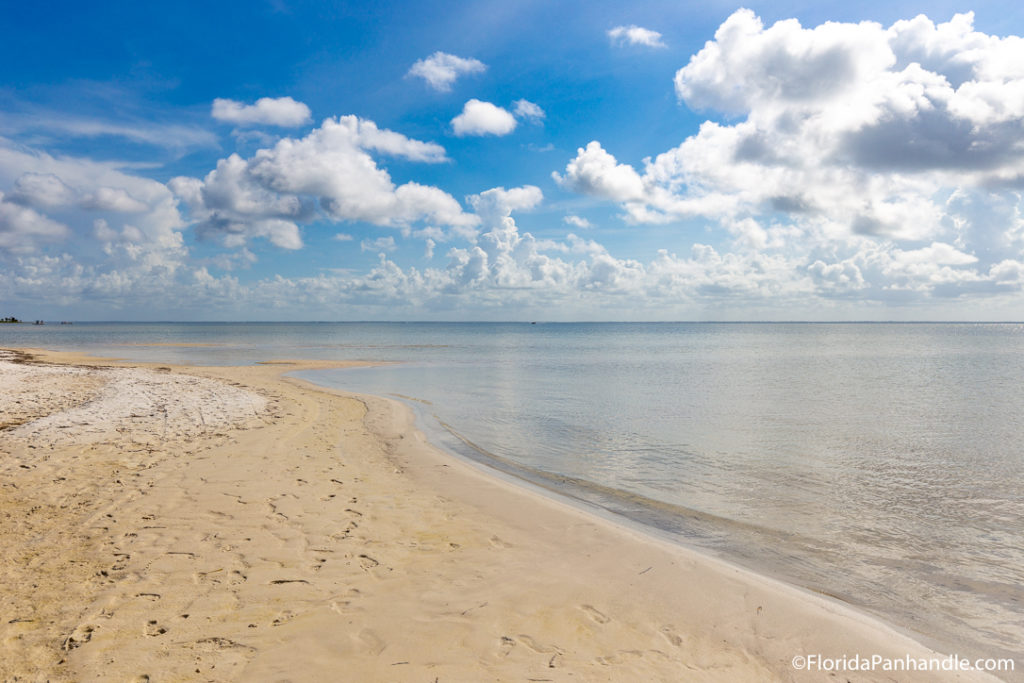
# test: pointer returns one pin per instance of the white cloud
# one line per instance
(837, 278)
(112, 199)
(596, 172)
(41, 190)
(280, 111)
(859, 95)
(483, 118)
(937, 253)
(343, 237)
(851, 147)
(577, 221)
(441, 69)
(369, 136)
(230, 189)
(524, 109)
(507, 272)
(326, 174)
(142, 211)
(498, 202)
(284, 234)
(437, 234)
(21, 228)
(1007, 271)
(635, 35)
(236, 233)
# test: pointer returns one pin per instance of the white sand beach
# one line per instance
(165, 523)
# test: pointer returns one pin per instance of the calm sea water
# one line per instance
(881, 464)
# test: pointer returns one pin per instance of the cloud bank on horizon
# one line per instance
(835, 171)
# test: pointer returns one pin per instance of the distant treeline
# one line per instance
(12, 319)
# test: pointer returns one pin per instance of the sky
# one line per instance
(534, 160)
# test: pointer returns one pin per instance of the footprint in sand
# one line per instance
(346, 603)
(671, 635)
(595, 614)
(345, 533)
(498, 543)
(370, 642)
(506, 645)
(283, 618)
(153, 629)
(121, 561)
(367, 562)
(219, 644)
(79, 637)
(539, 648)
(620, 657)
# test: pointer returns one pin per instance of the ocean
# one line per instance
(881, 464)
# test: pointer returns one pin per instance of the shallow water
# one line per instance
(881, 464)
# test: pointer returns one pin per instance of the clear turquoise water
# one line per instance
(882, 464)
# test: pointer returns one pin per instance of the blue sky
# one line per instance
(523, 161)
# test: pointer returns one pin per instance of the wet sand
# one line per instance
(184, 523)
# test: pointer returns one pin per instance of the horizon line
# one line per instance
(527, 322)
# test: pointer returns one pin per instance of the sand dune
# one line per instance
(227, 524)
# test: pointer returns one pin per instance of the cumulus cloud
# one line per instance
(851, 146)
(41, 190)
(507, 271)
(327, 174)
(440, 70)
(112, 199)
(141, 215)
(483, 118)
(498, 202)
(22, 228)
(635, 35)
(280, 111)
(937, 253)
(369, 136)
(916, 97)
(507, 268)
(232, 232)
(596, 172)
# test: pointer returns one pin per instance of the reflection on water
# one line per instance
(878, 463)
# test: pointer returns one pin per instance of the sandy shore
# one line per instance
(175, 524)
